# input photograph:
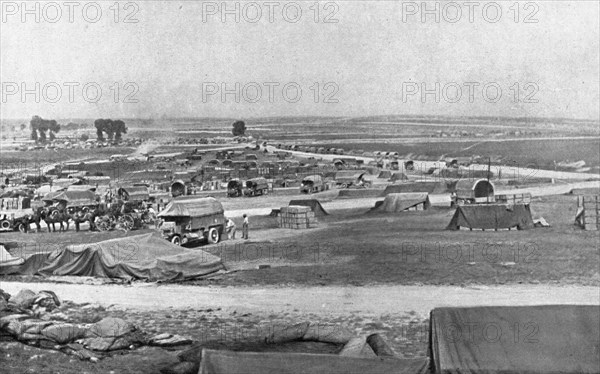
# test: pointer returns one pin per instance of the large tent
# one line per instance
(491, 216)
(314, 205)
(520, 339)
(398, 176)
(146, 257)
(227, 362)
(73, 198)
(398, 202)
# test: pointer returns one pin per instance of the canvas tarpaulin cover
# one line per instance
(524, 339)
(491, 216)
(146, 256)
(314, 205)
(227, 362)
(397, 202)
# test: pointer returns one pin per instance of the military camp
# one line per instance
(299, 187)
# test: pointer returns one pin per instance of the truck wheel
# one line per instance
(176, 240)
(213, 235)
(5, 224)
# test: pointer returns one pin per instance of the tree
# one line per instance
(23, 126)
(84, 137)
(239, 128)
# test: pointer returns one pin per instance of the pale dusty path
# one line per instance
(372, 300)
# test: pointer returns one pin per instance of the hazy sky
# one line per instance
(376, 59)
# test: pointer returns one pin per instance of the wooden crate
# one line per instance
(297, 217)
(589, 208)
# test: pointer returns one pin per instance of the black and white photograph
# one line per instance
(299, 187)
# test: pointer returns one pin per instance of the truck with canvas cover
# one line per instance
(256, 187)
(312, 184)
(234, 188)
(190, 219)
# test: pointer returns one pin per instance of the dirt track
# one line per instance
(318, 300)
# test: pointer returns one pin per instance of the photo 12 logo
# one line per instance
(69, 12)
(71, 92)
(454, 92)
(269, 92)
(469, 11)
(269, 11)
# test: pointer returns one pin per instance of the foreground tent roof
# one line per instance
(146, 257)
(522, 339)
(397, 202)
(192, 207)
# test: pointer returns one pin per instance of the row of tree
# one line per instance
(43, 130)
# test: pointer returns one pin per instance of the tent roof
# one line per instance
(397, 202)
(192, 207)
(491, 216)
(73, 198)
(314, 205)
(227, 362)
(549, 339)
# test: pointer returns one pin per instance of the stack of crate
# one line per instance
(297, 217)
(589, 206)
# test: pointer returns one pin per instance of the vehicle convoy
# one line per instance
(256, 187)
(312, 184)
(187, 219)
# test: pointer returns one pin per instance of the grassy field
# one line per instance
(352, 247)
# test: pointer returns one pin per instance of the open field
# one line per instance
(368, 272)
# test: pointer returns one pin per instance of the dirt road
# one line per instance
(373, 300)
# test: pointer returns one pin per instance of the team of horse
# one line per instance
(95, 217)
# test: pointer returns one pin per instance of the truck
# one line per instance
(312, 184)
(189, 219)
(234, 188)
(256, 187)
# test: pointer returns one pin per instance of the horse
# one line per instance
(85, 215)
(54, 215)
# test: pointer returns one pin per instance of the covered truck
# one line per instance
(187, 219)
(256, 187)
(312, 183)
(234, 188)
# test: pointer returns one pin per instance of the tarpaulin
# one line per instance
(314, 205)
(146, 256)
(397, 202)
(227, 362)
(491, 216)
(525, 339)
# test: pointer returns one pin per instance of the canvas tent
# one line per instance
(145, 257)
(522, 339)
(73, 198)
(491, 216)
(398, 202)
(398, 177)
(385, 174)
(314, 205)
(6, 259)
(227, 362)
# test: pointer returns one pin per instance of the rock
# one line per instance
(23, 299)
(161, 337)
(173, 341)
(110, 327)
(63, 333)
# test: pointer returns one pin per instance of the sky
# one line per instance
(149, 59)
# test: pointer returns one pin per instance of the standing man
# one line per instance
(245, 227)
(230, 228)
